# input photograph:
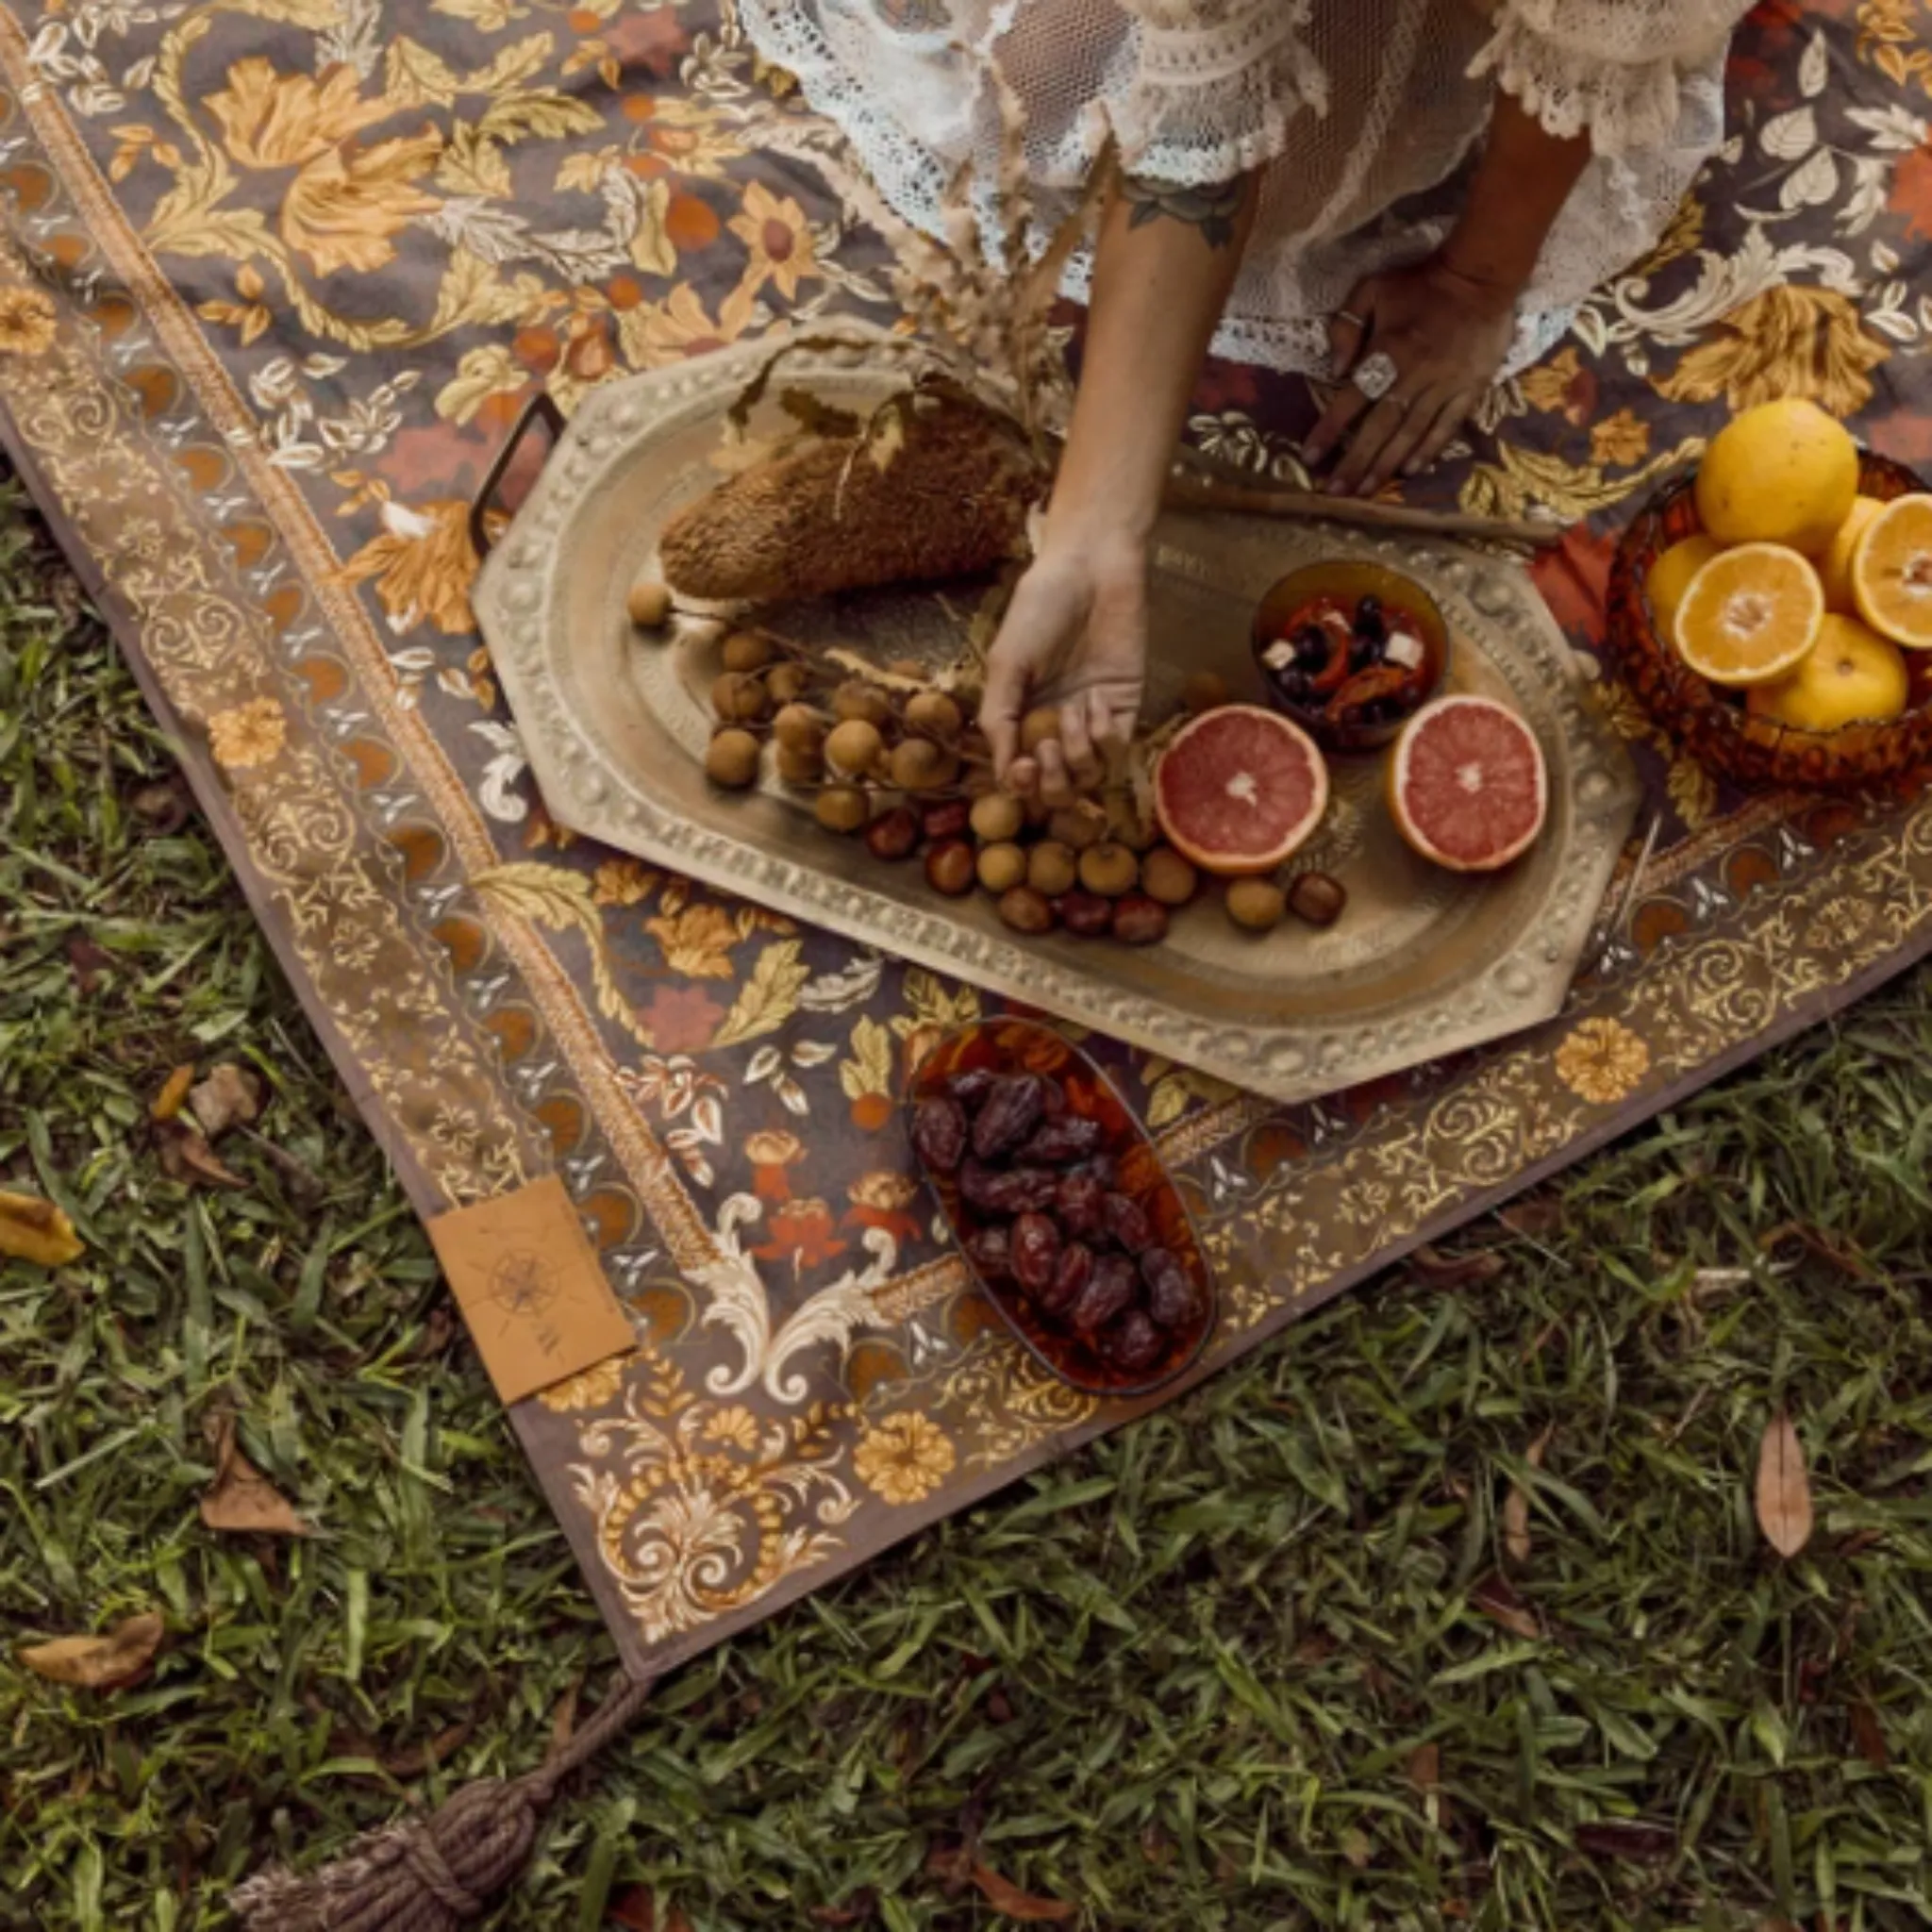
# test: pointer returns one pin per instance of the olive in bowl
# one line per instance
(1351, 651)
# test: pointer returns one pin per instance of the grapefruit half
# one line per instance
(1239, 789)
(1467, 784)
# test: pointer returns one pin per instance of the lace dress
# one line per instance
(1362, 115)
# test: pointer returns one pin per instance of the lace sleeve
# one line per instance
(1215, 84)
(1611, 67)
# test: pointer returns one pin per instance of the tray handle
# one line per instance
(539, 408)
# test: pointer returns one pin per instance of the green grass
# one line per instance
(1182, 1681)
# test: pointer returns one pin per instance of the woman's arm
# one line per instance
(1076, 632)
(1446, 323)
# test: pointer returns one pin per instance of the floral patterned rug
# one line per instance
(274, 278)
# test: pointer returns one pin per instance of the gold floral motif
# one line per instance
(1784, 343)
(1839, 924)
(596, 1387)
(622, 882)
(780, 244)
(248, 735)
(1602, 1061)
(270, 120)
(423, 565)
(1621, 439)
(736, 1425)
(697, 941)
(903, 1458)
(26, 322)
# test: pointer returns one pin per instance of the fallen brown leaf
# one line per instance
(1446, 1272)
(636, 1910)
(32, 1229)
(1534, 1220)
(1868, 1734)
(1003, 1895)
(420, 1757)
(111, 1661)
(861, 1908)
(1496, 1598)
(229, 1097)
(1627, 1838)
(1784, 1489)
(1426, 1767)
(165, 808)
(87, 961)
(174, 1092)
(242, 1501)
(186, 1157)
(1516, 1503)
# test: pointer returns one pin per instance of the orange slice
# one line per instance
(1892, 573)
(1749, 615)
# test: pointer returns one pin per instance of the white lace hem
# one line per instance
(1622, 105)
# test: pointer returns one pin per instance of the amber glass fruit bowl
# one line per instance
(1712, 724)
(1348, 580)
(1013, 1045)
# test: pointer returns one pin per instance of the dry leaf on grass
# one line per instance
(1534, 1220)
(32, 1229)
(636, 1910)
(1868, 1734)
(1496, 1598)
(1437, 1269)
(168, 1102)
(229, 1097)
(1627, 1838)
(111, 1661)
(1784, 1489)
(861, 1908)
(88, 961)
(186, 1157)
(1516, 1503)
(1003, 1895)
(241, 1500)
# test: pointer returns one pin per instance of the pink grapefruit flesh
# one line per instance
(1467, 784)
(1239, 789)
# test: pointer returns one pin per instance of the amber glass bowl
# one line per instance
(1013, 1045)
(1712, 723)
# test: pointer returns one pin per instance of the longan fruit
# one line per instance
(1126, 826)
(1110, 870)
(1078, 827)
(1166, 876)
(738, 698)
(1038, 725)
(1204, 691)
(1027, 911)
(918, 766)
(787, 682)
(997, 817)
(732, 760)
(648, 606)
(854, 747)
(746, 650)
(1001, 867)
(933, 713)
(799, 727)
(801, 764)
(1051, 869)
(854, 698)
(1256, 904)
(841, 808)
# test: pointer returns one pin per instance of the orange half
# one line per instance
(1750, 614)
(1892, 573)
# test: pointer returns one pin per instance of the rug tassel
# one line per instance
(440, 1872)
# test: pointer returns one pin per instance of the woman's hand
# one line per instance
(1075, 636)
(1447, 334)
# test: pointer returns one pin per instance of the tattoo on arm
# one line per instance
(1213, 210)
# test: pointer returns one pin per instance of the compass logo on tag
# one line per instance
(526, 1289)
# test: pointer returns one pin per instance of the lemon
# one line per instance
(1783, 473)
(1834, 566)
(1749, 615)
(1892, 573)
(1852, 675)
(1670, 577)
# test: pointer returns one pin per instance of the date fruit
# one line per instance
(938, 1134)
(1139, 921)
(1036, 1243)
(1110, 1289)
(1078, 1202)
(1133, 1343)
(949, 867)
(949, 821)
(1172, 1297)
(1061, 1141)
(971, 1088)
(1071, 1274)
(1007, 1190)
(1009, 1112)
(990, 1251)
(1126, 1221)
(894, 835)
(1087, 915)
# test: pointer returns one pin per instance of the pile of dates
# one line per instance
(1042, 1214)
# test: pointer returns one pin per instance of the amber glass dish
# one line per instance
(1713, 724)
(1024, 1046)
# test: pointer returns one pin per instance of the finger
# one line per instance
(1344, 405)
(1418, 418)
(1023, 777)
(1453, 414)
(1111, 727)
(1000, 706)
(1348, 329)
(1076, 738)
(1056, 786)
(1372, 435)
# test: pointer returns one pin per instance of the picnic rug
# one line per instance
(276, 276)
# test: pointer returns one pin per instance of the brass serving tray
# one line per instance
(1423, 963)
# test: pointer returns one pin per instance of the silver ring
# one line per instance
(1375, 375)
(1349, 316)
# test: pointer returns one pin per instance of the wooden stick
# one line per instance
(1189, 489)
